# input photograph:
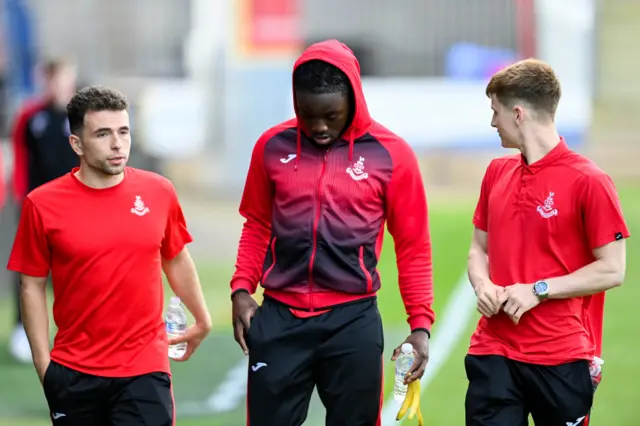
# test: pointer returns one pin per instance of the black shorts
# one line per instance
(78, 399)
(339, 352)
(503, 392)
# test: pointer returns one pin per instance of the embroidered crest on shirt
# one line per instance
(547, 210)
(356, 171)
(138, 207)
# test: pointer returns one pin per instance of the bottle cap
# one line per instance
(174, 301)
(406, 348)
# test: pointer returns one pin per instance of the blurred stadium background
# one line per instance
(206, 77)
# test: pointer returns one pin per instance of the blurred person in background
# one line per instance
(106, 233)
(4, 108)
(549, 239)
(318, 192)
(4, 96)
(40, 139)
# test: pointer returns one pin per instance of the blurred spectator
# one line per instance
(40, 138)
(3, 94)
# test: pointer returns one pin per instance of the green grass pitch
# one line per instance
(22, 402)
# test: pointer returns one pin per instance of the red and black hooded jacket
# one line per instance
(315, 216)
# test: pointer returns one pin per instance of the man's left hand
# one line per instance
(519, 299)
(420, 342)
(193, 336)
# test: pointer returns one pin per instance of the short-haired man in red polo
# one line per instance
(549, 234)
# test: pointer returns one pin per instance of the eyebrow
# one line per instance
(107, 129)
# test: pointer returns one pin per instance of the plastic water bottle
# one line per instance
(403, 364)
(175, 321)
(595, 369)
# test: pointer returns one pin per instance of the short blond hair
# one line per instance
(532, 81)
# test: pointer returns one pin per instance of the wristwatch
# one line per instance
(541, 290)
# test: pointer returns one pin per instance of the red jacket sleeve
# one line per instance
(255, 207)
(408, 224)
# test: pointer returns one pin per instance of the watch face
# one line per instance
(541, 287)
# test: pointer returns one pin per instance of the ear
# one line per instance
(518, 113)
(76, 144)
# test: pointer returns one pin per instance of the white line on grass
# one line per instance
(227, 396)
(451, 327)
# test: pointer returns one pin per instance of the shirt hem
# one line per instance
(108, 372)
(531, 359)
(26, 270)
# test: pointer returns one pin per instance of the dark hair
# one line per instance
(319, 77)
(93, 98)
(531, 81)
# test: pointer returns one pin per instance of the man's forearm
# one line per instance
(478, 268)
(35, 317)
(594, 278)
(183, 278)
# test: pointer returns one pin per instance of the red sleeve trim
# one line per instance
(478, 223)
(242, 284)
(27, 270)
(417, 322)
(177, 250)
(610, 238)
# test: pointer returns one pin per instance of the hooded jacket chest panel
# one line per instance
(327, 176)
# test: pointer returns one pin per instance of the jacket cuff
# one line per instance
(420, 322)
(241, 284)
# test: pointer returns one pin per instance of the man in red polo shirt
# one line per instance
(549, 233)
(105, 232)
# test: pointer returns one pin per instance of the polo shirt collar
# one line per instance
(548, 159)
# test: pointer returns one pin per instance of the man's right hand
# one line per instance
(243, 309)
(41, 368)
(490, 299)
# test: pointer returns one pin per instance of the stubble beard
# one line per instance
(107, 169)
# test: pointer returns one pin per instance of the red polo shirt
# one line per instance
(543, 220)
(103, 248)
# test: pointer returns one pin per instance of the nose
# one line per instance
(319, 126)
(116, 143)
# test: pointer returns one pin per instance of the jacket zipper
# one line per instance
(315, 229)
(365, 271)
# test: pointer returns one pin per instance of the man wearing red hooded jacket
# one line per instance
(319, 190)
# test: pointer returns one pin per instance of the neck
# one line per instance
(55, 103)
(539, 143)
(97, 180)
